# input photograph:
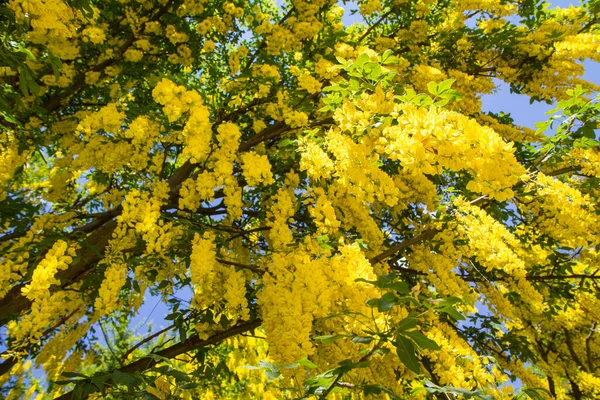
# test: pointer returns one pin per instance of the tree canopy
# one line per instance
(312, 191)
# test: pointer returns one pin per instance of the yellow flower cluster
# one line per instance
(267, 71)
(197, 134)
(457, 364)
(282, 209)
(300, 289)
(509, 133)
(228, 137)
(133, 55)
(588, 159)
(280, 40)
(159, 242)
(235, 294)
(109, 118)
(323, 213)
(141, 210)
(589, 384)
(428, 140)
(213, 281)
(309, 83)
(314, 160)
(496, 249)
(47, 306)
(325, 69)
(294, 290)
(142, 132)
(15, 257)
(10, 161)
(355, 213)
(58, 258)
(256, 169)
(280, 111)
(67, 73)
(370, 6)
(53, 23)
(235, 57)
(176, 37)
(489, 240)
(202, 269)
(563, 212)
(496, 7)
(54, 351)
(103, 155)
(115, 276)
(175, 99)
(582, 45)
(440, 267)
(94, 34)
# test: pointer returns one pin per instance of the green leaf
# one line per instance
(32, 85)
(328, 339)
(537, 393)
(373, 303)
(67, 374)
(23, 83)
(78, 391)
(89, 388)
(432, 88)
(407, 323)
(28, 53)
(406, 352)
(362, 339)
(400, 287)
(442, 103)
(321, 380)
(388, 58)
(63, 382)
(190, 386)
(446, 306)
(305, 362)
(378, 389)
(453, 313)
(373, 71)
(361, 60)
(179, 376)
(408, 299)
(100, 380)
(421, 340)
(445, 85)
(129, 380)
(387, 301)
(542, 126)
(271, 371)
(163, 284)
(348, 365)
(588, 132)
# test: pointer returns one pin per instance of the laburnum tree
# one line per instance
(322, 207)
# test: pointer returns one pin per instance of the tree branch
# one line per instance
(192, 343)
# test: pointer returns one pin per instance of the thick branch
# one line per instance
(569, 341)
(426, 235)
(92, 251)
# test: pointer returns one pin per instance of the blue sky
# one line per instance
(518, 106)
